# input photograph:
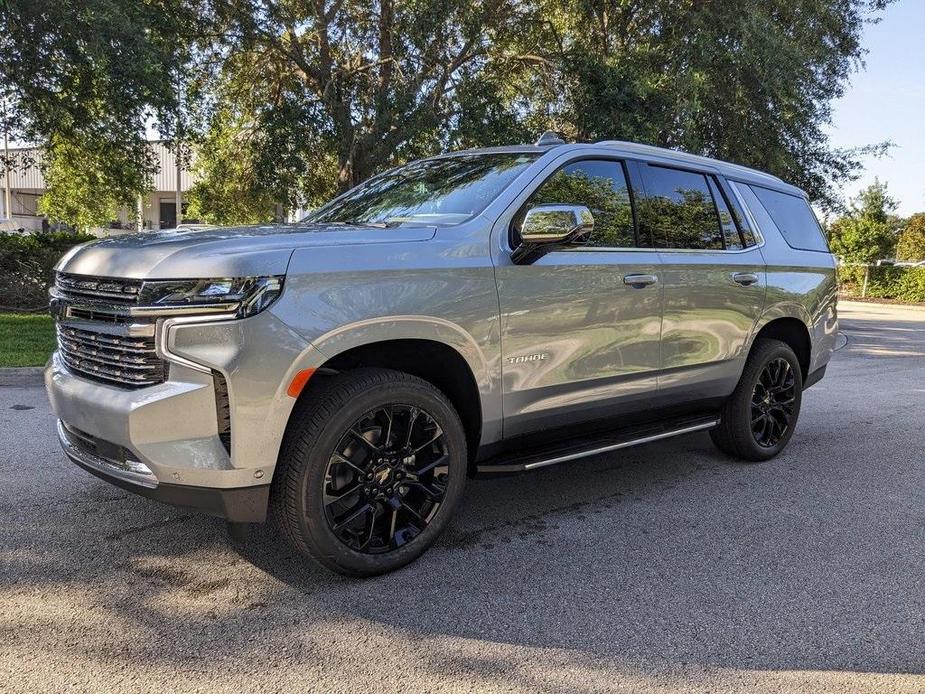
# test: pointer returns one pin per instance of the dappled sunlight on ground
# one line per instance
(664, 568)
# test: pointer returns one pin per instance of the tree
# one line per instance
(88, 181)
(371, 84)
(355, 85)
(749, 81)
(867, 232)
(289, 101)
(911, 245)
(84, 79)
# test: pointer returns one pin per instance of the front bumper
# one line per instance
(162, 441)
(242, 505)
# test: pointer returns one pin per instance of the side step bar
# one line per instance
(587, 447)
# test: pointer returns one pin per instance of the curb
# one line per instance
(853, 303)
(22, 377)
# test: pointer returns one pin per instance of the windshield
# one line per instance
(444, 191)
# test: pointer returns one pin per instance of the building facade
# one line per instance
(156, 210)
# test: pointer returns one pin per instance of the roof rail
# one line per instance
(687, 156)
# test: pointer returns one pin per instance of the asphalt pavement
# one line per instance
(666, 568)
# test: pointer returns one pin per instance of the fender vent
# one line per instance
(222, 410)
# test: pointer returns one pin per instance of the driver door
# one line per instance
(581, 325)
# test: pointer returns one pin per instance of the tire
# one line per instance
(327, 475)
(758, 419)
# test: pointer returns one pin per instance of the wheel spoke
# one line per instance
(392, 525)
(432, 440)
(362, 439)
(364, 508)
(388, 431)
(417, 516)
(442, 460)
(412, 419)
(346, 461)
(434, 494)
(766, 428)
(331, 498)
(372, 529)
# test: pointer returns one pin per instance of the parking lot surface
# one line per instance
(666, 567)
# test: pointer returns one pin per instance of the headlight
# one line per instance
(243, 296)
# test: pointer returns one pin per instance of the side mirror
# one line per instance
(545, 226)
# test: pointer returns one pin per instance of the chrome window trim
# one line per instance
(571, 157)
(734, 187)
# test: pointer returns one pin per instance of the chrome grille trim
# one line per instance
(127, 361)
(97, 289)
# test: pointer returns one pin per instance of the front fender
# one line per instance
(486, 370)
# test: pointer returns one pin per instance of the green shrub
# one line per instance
(885, 282)
(27, 267)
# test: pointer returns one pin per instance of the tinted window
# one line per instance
(448, 190)
(679, 210)
(726, 220)
(599, 185)
(745, 229)
(794, 218)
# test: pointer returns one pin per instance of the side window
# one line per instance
(726, 220)
(679, 210)
(794, 218)
(600, 185)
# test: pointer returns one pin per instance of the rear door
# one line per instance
(580, 338)
(713, 276)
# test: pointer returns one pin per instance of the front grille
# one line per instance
(107, 290)
(128, 361)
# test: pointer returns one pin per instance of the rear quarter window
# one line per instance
(794, 218)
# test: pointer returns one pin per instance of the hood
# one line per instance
(220, 251)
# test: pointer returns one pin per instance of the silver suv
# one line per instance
(486, 311)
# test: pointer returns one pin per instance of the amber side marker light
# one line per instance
(298, 382)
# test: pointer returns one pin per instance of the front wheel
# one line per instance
(759, 417)
(370, 471)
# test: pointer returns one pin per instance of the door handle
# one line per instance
(639, 281)
(745, 278)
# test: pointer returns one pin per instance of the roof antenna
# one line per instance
(548, 138)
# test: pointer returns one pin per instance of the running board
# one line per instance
(586, 447)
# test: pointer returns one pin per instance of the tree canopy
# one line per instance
(867, 232)
(911, 244)
(289, 101)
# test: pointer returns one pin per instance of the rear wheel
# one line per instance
(759, 417)
(371, 469)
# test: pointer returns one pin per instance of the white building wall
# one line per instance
(27, 182)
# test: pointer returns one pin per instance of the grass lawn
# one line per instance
(26, 339)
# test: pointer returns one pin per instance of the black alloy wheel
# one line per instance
(773, 401)
(386, 478)
(371, 468)
(759, 418)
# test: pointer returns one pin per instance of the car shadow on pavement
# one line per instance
(670, 553)
(667, 556)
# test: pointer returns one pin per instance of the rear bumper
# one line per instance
(238, 505)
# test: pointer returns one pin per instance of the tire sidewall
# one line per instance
(322, 540)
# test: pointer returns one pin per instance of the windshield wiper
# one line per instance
(354, 223)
